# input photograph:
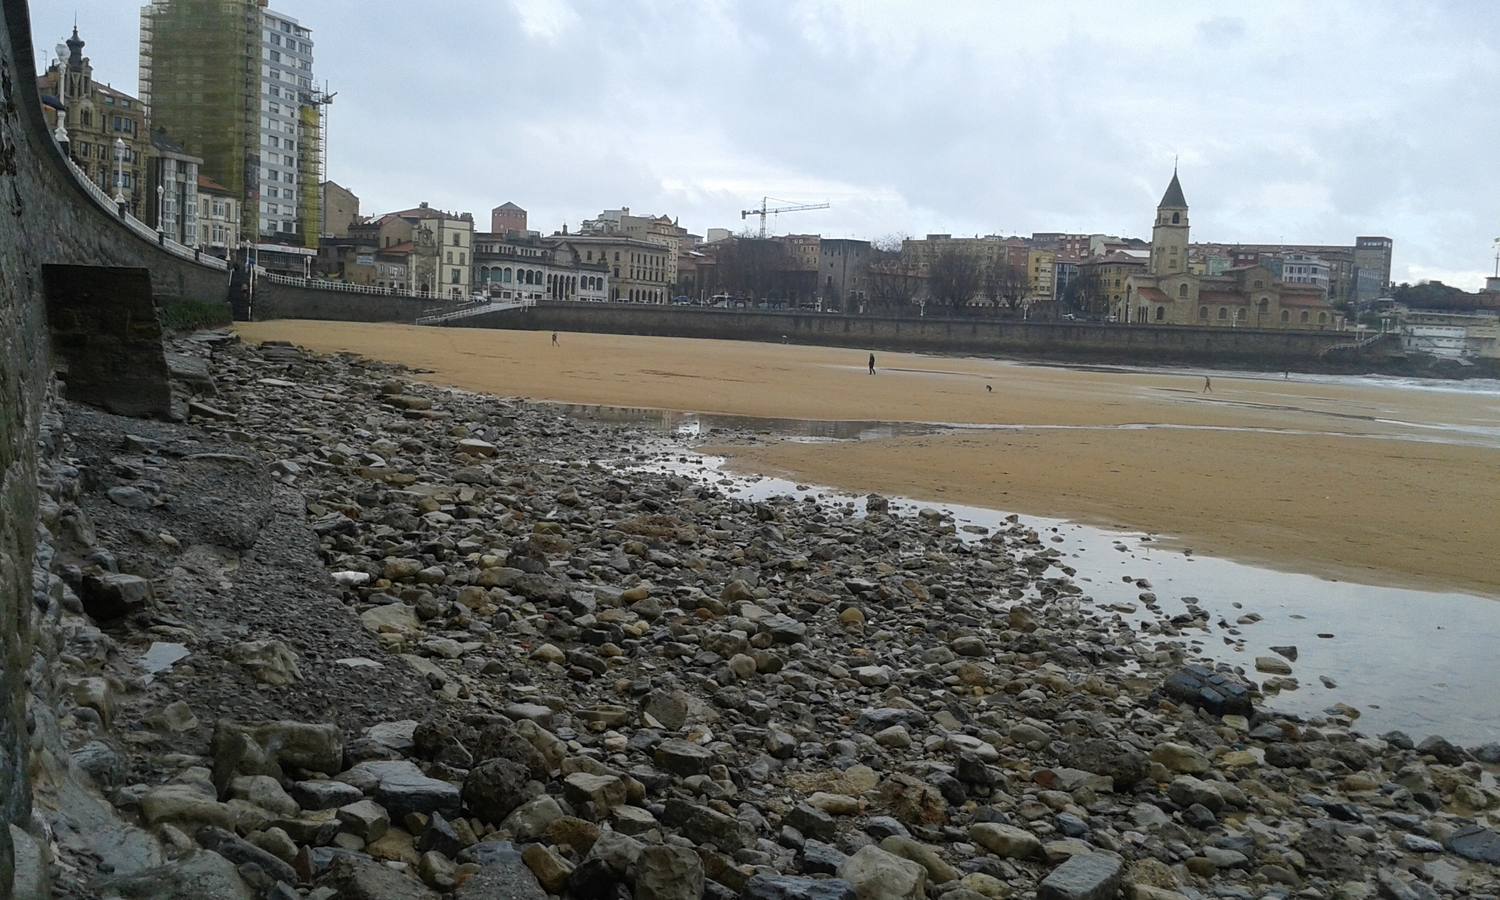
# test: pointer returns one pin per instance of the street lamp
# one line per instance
(61, 134)
(120, 173)
(161, 212)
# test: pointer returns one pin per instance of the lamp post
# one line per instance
(161, 212)
(61, 134)
(120, 173)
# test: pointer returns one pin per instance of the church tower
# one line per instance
(1169, 237)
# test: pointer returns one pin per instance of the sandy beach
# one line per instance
(1372, 483)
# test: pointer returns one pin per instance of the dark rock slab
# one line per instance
(1218, 693)
(1091, 876)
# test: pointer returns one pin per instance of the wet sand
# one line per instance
(1363, 487)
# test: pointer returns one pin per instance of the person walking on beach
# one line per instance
(872, 364)
(554, 339)
(1208, 386)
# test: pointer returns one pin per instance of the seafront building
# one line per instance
(233, 82)
(1169, 293)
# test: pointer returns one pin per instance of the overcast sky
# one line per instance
(1298, 122)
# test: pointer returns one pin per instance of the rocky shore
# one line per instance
(343, 635)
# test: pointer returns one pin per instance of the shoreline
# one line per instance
(1399, 511)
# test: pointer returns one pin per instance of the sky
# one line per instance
(1290, 122)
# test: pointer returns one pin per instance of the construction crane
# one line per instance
(766, 210)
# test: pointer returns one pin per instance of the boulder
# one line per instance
(668, 873)
(878, 875)
(1092, 876)
(788, 887)
(1006, 841)
(493, 789)
(401, 787)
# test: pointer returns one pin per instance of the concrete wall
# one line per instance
(937, 335)
(287, 301)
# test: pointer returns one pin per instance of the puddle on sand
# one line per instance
(1418, 661)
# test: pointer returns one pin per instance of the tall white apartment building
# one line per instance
(285, 86)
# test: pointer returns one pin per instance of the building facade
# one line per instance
(172, 190)
(437, 246)
(218, 218)
(638, 271)
(507, 217)
(1247, 296)
(106, 128)
(843, 273)
(232, 80)
(340, 209)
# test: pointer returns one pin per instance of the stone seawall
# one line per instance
(290, 301)
(1239, 346)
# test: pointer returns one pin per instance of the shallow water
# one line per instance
(1418, 661)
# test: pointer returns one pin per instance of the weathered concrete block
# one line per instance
(107, 340)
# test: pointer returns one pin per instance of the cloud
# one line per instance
(545, 20)
(966, 116)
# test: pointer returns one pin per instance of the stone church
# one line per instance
(1168, 293)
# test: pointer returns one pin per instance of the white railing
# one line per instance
(474, 309)
(323, 284)
(141, 228)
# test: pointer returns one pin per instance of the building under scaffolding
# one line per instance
(232, 80)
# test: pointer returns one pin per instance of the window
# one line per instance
(1259, 283)
(1176, 218)
(461, 258)
(1182, 289)
(1239, 314)
(1303, 317)
(1223, 313)
(449, 259)
(455, 279)
(1322, 318)
(1286, 316)
(1161, 313)
(455, 239)
(1203, 313)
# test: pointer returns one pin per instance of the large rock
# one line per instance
(243, 853)
(605, 792)
(495, 788)
(1180, 758)
(401, 787)
(1218, 693)
(788, 887)
(269, 661)
(1006, 841)
(1478, 844)
(109, 595)
(668, 873)
(706, 826)
(273, 748)
(357, 878)
(1091, 876)
(201, 875)
(185, 804)
(684, 758)
(878, 875)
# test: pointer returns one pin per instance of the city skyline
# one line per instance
(980, 120)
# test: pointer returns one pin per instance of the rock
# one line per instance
(1288, 651)
(110, 596)
(787, 887)
(668, 873)
(493, 789)
(324, 794)
(550, 869)
(275, 749)
(392, 617)
(356, 878)
(938, 871)
(683, 758)
(811, 821)
(365, 818)
(1006, 841)
(1185, 790)
(185, 804)
(1272, 665)
(911, 801)
(896, 737)
(1125, 765)
(269, 661)
(1093, 876)
(706, 826)
(667, 707)
(1478, 844)
(200, 875)
(877, 875)
(265, 792)
(605, 792)
(401, 787)
(1180, 758)
(1215, 692)
(243, 853)
(531, 819)
(130, 497)
(1445, 752)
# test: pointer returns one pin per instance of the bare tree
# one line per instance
(1008, 282)
(1085, 293)
(954, 278)
(896, 281)
(757, 268)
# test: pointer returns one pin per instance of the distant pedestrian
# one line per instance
(872, 364)
(554, 339)
(1208, 386)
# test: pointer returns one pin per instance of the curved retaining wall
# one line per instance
(1083, 340)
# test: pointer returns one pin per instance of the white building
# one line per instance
(286, 54)
(1301, 268)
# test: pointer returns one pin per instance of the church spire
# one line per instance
(75, 50)
(1173, 198)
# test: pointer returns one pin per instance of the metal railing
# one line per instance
(141, 228)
